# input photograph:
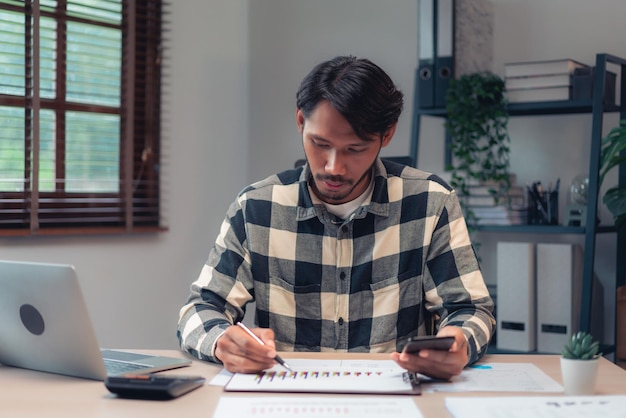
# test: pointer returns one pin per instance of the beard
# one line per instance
(339, 196)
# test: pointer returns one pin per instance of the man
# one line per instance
(348, 253)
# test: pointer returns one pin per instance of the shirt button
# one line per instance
(340, 321)
(342, 276)
(344, 228)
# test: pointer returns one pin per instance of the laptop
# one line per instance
(45, 326)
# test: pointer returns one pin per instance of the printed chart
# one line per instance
(351, 379)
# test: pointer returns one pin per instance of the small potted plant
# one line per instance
(579, 364)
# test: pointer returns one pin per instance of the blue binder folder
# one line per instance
(425, 78)
(444, 56)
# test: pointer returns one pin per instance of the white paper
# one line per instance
(314, 407)
(310, 364)
(497, 377)
(339, 376)
(538, 407)
(221, 378)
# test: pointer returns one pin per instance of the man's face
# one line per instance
(340, 161)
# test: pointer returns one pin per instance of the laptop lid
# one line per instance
(45, 324)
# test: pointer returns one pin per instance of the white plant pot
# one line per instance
(579, 376)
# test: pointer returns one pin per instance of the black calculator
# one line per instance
(152, 386)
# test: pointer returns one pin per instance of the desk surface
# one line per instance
(27, 393)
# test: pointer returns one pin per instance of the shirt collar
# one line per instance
(379, 204)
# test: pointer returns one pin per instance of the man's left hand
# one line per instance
(439, 364)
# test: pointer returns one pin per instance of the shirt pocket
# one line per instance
(405, 289)
(394, 305)
(283, 304)
(283, 298)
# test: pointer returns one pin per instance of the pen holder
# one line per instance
(543, 209)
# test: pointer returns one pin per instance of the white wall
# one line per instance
(234, 69)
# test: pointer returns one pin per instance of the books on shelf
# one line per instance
(543, 94)
(535, 68)
(540, 81)
(489, 196)
(500, 215)
(482, 204)
(493, 183)
(483, 200)
(490, 205)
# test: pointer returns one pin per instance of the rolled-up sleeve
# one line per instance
(455, 291)
(219, 295)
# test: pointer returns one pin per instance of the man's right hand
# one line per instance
(240, 353)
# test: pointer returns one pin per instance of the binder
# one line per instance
(444, 57)
(559, 284)
(426, 55)
(559, 269)
(516, 320)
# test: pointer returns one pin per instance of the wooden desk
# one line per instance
(28, 393)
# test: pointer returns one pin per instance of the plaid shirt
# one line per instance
(401, 265)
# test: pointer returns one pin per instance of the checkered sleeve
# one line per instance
(221, 291)
(456, 293)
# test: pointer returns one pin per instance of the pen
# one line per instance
(250, 333)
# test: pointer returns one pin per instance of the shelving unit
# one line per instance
(597, 109)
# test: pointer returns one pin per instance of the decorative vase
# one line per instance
(579, 376)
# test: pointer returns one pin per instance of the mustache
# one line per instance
(336, 179)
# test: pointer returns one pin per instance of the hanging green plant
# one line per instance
(477, 119)
(610, 157)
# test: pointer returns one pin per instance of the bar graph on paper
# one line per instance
(368, 377)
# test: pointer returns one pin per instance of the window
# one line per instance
(80, 115)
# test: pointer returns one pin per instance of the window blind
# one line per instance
(80, 89)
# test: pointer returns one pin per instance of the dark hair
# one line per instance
(358, 89)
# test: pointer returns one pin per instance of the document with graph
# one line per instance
(354, 376)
